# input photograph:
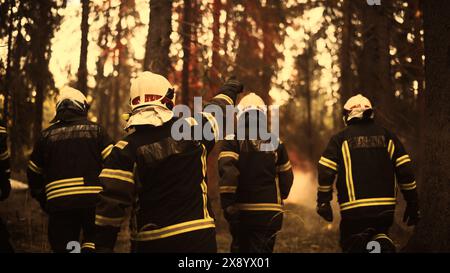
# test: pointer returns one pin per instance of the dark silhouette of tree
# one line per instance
(433, 232)
(82, 68)
(187, 36)
(158, 40)
(346, 89)
(214, 74)
(375, 66)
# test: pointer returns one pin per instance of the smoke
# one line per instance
(304, 188)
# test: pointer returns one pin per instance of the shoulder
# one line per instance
(50, 128)
(339, 137)
(93, 124)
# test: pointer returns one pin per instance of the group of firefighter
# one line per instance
(87, 184)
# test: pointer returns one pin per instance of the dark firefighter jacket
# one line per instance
(65, 163)
(370, 163)
(162, 178)
(253, 180)
(5, 186)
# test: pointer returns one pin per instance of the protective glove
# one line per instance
(412, 214)
(325, 211)
(5, 189)
(233, 85)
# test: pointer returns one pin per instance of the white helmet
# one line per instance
(251, 102)
(75, 96)
(152, 98)
(356, 106)
(151, 89)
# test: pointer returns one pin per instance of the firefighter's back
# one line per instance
(71, 163)
(171, 178)
(257, 180)
(366, 180)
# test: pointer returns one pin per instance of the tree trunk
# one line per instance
(7, 92)
(216, 45)
(118, 56)
(308, 98)
(433, 232)
(345, 53)
(375, 67)
(82, 68)
(158, 40)
(267, 60)
(186, 29)
(41, 78)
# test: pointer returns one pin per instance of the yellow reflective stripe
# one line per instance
(64, 185)
(203, 185)
(174, 229)
(227, 189)
(225, 98)
(328, 163)
(121, 144)
(108, 221)
(4, 155)
(348, 171)
(212, 120)
(325, 188)
(2, 130)
(62, 182)
(387, 203)
(117, 174)
(107, 151)
(260, 206)
(368, 202)
(277, 187)
(407, 187)
(229, 154)
(285, 167)
(402, 160)
(382, 236)
(88, 245)
(74, 191)
(34, 167)
(391, 148)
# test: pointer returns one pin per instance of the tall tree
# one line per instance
(187, 36)
(214, 74)
(345, 52)
(29, 78)
(82, 68)
(433, 232)
(41, 43)
(7, 79)
(304, 66)
(375, 66)
(271, 19)
(158, 39)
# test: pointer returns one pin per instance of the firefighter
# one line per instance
(162, 179)
(370, 163)
(5, 185)
(253, 182)
(63, 171)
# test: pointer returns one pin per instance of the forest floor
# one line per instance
(303, 231)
